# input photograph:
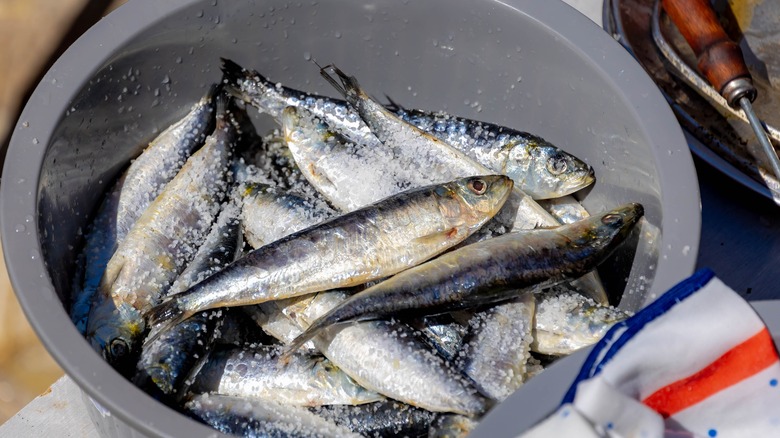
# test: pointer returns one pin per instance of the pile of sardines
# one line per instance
(366, 269)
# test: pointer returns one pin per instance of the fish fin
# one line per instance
(393, 105)
(348, 85)
(437, 238)
(298, 342)
(213, 91)
(162, 318)
(222, 102)
(590, 285)
(233, 73)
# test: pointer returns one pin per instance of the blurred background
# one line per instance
(33, 34)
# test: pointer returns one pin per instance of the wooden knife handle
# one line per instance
(720, 59)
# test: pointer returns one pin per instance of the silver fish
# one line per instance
(538, 168)
(566, 321)
(306, 380)
(488, 272)
(138, 186)
(261, 418)
(380, 419)
(379, 240)
(158, 247)
(386, 357)
(100, 245)
(498, 347)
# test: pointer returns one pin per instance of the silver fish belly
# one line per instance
(306, 380)
(256, 418)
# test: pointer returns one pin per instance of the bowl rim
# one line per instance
(33, 131)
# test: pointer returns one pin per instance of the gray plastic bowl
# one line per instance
(536, 65)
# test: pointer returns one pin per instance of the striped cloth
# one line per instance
(697, 362)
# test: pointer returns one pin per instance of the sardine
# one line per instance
(566, 321)
(488, 272)
(261, 418)
(138, 186)
(538, 168)
(498, 347)
(379, 240)
(387, 357)
(306, 380)
(100, 244)
(380, 419)
(158, 247)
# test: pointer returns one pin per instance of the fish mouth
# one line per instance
(580, 180)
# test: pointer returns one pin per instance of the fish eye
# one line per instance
(477, 186)
(556, 165)
(118, 349)
(612, 219)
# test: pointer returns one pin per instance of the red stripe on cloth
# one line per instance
(737, 364)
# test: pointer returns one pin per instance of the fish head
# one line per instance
(470, 202)
(543, 171)
(113, 331)
(611, 228)
(301, 127)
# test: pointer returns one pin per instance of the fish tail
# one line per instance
(211, 93)
(223, 100)
(298, 342)
(163, 317)
(393, 106)
(346, 85)
(233, 75)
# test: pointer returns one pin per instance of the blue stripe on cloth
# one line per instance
(622, 332)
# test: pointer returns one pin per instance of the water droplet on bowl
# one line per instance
(20, 228)
(35, 140)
